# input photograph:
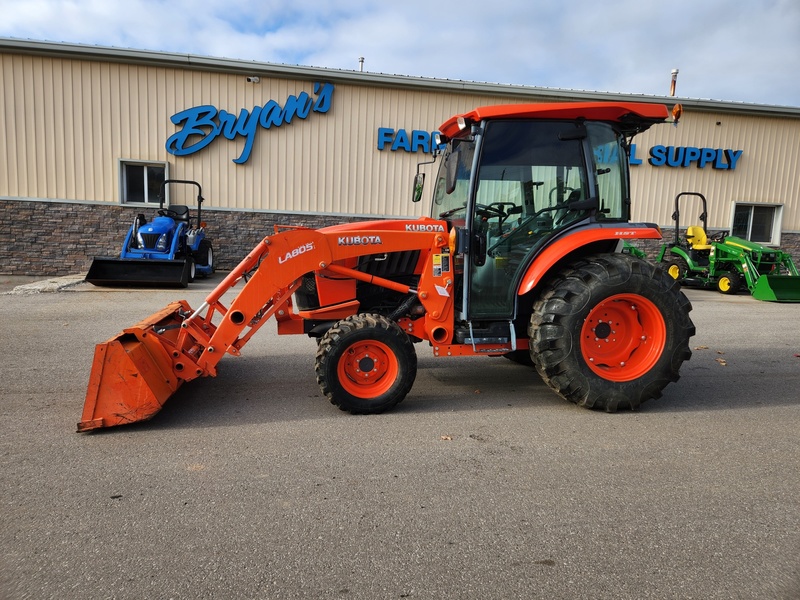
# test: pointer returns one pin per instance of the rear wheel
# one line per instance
(611, 332)
(365, 364)
(192, 268)
(205, 254)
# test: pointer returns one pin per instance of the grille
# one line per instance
(150, 239)
(390, 265)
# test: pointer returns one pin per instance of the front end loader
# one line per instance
(168, 251)
(521, 257)
(727, 263)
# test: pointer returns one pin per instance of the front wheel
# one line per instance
(729, 283)
(365, 364)
(677, 267)
(611, 332)
(192, 269)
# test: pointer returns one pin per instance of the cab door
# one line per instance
(531, 182)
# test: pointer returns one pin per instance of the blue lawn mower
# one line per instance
(169, 251)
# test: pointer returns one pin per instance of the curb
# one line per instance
(53, 284)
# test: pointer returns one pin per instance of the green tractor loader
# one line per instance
(728, 263)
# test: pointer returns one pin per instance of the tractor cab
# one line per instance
(512, 186)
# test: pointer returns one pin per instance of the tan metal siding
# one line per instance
(767, 171)
(66, 124)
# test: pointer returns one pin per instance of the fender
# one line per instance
(571, 242)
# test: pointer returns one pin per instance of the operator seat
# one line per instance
(181, 212)
(560, 216)
(696, 237)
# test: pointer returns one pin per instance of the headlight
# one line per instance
(161, 246)
(140, 239)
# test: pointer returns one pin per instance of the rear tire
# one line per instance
(611, 332)
(192, 269)
(205, 254)
(365, 364)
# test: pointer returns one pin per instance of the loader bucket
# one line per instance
(138, 272)
(777, 288)
(132, 373)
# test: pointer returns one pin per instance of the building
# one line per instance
(90, 132)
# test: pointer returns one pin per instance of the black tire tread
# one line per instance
(555, 347)
(364, 326)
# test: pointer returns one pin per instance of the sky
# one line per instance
(732, 50)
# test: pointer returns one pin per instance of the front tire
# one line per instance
(365, 364)
(677, 267)
(611, 332)
(729, 283)
(192, 268)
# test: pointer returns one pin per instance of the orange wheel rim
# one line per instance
(623, 337)
(368, 369)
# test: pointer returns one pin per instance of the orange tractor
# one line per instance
(521, 257)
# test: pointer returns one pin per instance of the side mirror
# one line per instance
(419, 184)
(419, 178)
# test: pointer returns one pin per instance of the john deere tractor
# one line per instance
(728, 263)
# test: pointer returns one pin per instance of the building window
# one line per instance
(140, 182)
(758, 223)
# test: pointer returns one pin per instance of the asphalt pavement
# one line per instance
(482, 484)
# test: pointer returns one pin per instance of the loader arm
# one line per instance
(135, 372)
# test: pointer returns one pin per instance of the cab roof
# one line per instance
(633, 116)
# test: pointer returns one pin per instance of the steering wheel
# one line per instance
(718, 236)
(495, 209)
(168, 212)
(566, 191)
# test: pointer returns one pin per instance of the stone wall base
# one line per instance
(790, 242)
(59, 238)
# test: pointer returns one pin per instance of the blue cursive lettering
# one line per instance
(202, 124)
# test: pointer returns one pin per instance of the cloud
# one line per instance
(748, 52)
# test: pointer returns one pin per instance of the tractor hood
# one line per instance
(159, 225)
(422, 224)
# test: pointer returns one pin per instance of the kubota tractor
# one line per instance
(521, 257)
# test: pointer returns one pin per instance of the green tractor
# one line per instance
(728, 263)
